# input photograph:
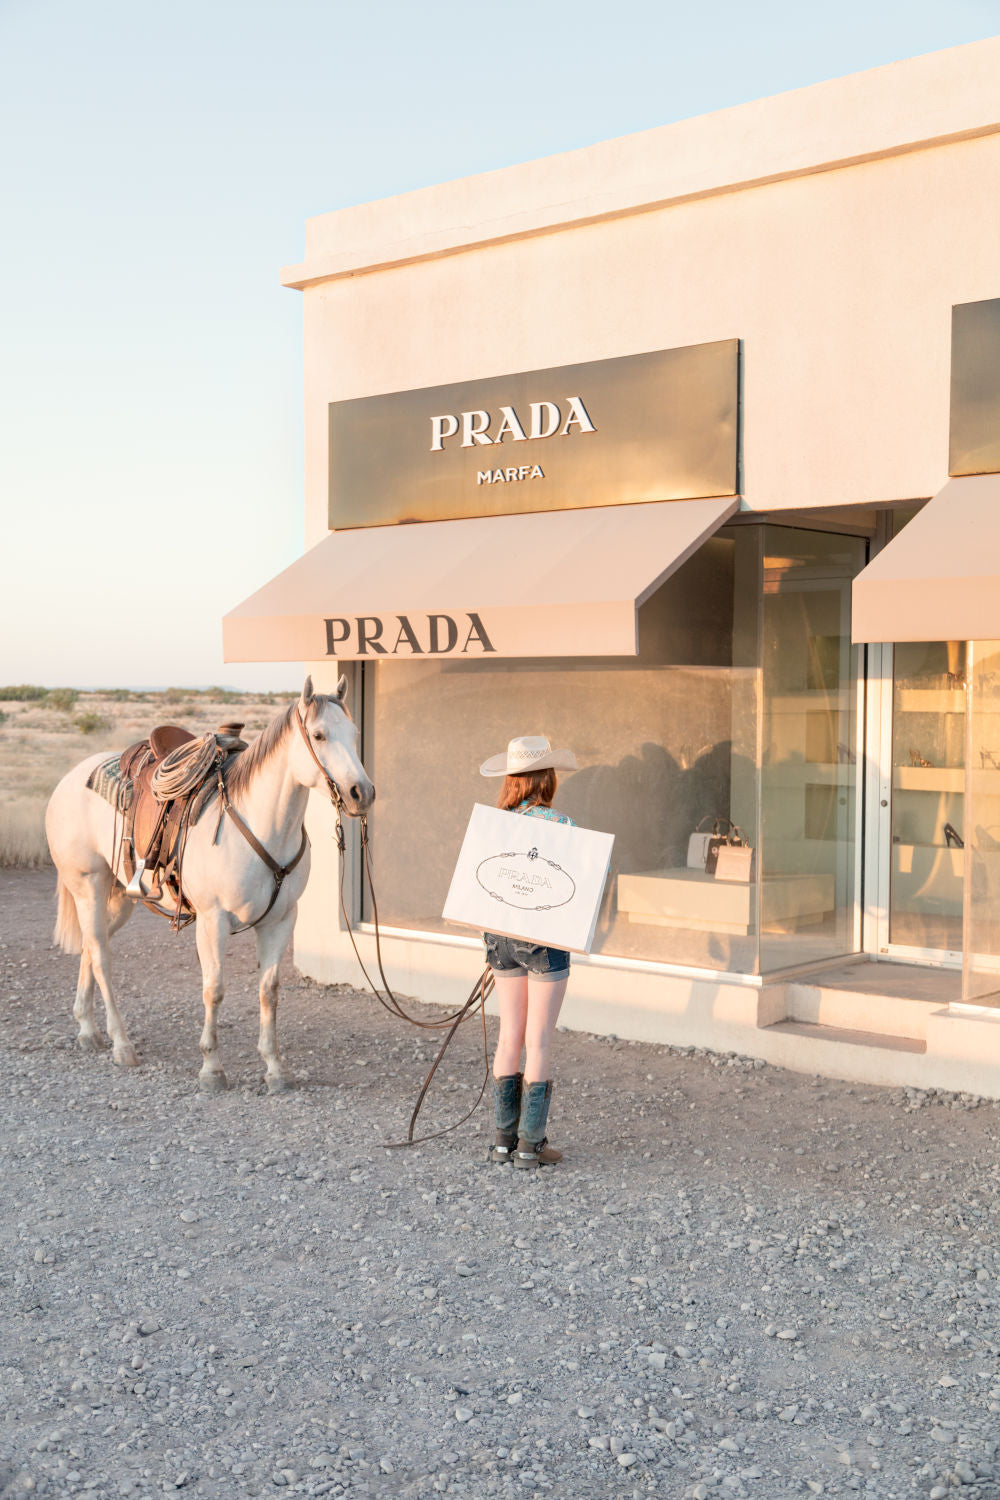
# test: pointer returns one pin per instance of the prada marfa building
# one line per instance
(684, 450)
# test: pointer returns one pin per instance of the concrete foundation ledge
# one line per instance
(961, 1054)
(963, 1048)
(633, 1004)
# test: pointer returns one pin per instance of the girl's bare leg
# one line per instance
(512, 1001)
(545, 998)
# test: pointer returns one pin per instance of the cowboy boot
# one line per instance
(506, 1108)
(533, 1149)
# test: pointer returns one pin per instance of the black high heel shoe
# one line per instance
(952, 838)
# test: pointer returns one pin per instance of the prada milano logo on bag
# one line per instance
(658, 426)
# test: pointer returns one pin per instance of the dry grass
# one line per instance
(22, 833)
(40, 743)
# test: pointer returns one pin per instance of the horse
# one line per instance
(312, 745)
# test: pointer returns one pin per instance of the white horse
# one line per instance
(226, 882)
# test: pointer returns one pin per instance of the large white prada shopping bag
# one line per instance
(530, 878)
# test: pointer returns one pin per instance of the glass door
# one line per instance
(810, 750)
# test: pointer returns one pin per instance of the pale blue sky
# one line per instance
(158, 165)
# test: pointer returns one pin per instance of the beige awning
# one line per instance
(557, 583)
(939, 579)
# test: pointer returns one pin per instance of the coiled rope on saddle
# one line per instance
(184, 768)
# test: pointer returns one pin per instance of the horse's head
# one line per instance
(326, 747)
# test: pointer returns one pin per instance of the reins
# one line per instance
(477, 996)
(279, 872)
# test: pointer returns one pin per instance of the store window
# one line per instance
(810, 751)
(981, 948)
(729, 719)
(928, 795)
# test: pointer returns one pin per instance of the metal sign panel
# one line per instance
(660, 426)
(975, 388)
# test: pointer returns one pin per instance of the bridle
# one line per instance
(477, 996)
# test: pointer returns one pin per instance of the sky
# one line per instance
(159, 163)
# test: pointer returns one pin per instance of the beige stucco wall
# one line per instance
(839, 278)
(831, 230)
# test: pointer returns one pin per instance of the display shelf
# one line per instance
(928, 778)
(816, 700)
(930, 701)
(694, 899)
(796, 773)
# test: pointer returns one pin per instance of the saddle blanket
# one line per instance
(108, 782)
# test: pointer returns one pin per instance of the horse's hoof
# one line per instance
(126, 1056)
(91, 1041)
(213, 1082)
(277, 1083)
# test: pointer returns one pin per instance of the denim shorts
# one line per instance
(510, 956)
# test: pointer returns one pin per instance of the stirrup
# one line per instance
(134, 887)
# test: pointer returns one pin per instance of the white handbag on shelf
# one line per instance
(704, 848)
(698, 850)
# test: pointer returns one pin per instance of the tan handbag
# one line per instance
(735, 858)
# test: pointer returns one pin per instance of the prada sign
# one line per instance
(356, 636)
(660, 426)
(975, 388)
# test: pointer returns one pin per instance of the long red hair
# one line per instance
(534, 786)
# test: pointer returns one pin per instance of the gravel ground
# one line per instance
(741, 1281)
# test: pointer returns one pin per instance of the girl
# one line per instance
(530, 980)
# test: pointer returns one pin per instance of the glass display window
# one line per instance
(722, 757)
(981, 949)
(927, 795)
(809, 805)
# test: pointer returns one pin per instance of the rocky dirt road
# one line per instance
(741, 1282)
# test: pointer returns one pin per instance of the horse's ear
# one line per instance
(340, 695)
(307, 693)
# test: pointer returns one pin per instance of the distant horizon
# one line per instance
(169, 687)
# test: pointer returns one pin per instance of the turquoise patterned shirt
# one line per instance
(536, 810)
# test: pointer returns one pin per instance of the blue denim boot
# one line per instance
(533, 1149)
(506, 1110)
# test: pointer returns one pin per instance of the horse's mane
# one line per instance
(267, 744)
(260, 752)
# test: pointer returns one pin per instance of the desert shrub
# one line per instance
(176, 695)
(26, 692)
(61, 698)
(3, 717)
(91, 722)
(22, 833)
(120, 695)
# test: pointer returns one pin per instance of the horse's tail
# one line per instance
(67, 934)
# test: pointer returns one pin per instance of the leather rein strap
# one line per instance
(279, 872)
(388, 1001)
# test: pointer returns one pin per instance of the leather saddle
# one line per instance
(154, 829)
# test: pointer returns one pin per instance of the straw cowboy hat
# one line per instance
(530, 752)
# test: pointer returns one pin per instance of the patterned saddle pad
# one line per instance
(108, 782)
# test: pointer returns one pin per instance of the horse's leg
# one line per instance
(101, 913)
(211, 941)
(88, 1036)
(211, 938)
(272, 940)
